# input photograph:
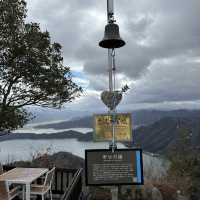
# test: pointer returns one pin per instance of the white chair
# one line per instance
(6, 193)
(43, 189)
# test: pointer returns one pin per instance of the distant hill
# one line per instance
(158, 130)
(85, 122)
(62, 135)
(146, 117)
(140, 117)
(165, 133)
(60, 160)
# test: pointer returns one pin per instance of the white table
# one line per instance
(23, 176)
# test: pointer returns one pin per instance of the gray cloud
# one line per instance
(168, 81)
(155, 32)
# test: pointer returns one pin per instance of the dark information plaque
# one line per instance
(121, 167)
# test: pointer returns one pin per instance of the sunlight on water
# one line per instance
(50, 130)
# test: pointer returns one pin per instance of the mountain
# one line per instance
(140, 117)
(85, 122)
(164, 134)
(62, 135)
(146, 117)
(42, 115)
(158, 131)
(60, 160)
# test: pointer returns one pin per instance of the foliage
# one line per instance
(31, 67)
(11, 116)
(185, 158)
(185, 164)
(124, 89)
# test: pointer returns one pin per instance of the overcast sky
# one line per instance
(161, 59)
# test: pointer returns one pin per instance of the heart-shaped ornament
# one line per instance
(111, 99)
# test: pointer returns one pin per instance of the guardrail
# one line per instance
(62, 180)
(74, 190)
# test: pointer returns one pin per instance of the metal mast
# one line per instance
(110, 19)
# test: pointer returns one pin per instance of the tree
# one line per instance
(31, 68)
(181, 152)
(185, 163)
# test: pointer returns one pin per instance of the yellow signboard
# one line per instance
(103, 127)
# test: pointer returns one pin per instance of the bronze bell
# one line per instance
(112, 37)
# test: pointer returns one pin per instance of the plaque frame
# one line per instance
(130, 131)
(115, 183)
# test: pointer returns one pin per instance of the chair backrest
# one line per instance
(4, 191)
(1, 169)
(49, 177)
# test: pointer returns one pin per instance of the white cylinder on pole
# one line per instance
(110, 7)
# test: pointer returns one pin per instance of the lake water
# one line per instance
(13, 150)
(24, 149)
(32, 129)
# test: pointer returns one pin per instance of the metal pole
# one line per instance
(110, 10)
(110, 70)
(110, 15)
(114, 192)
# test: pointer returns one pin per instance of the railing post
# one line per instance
(114, 193)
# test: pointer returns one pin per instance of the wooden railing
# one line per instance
(67, 183)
